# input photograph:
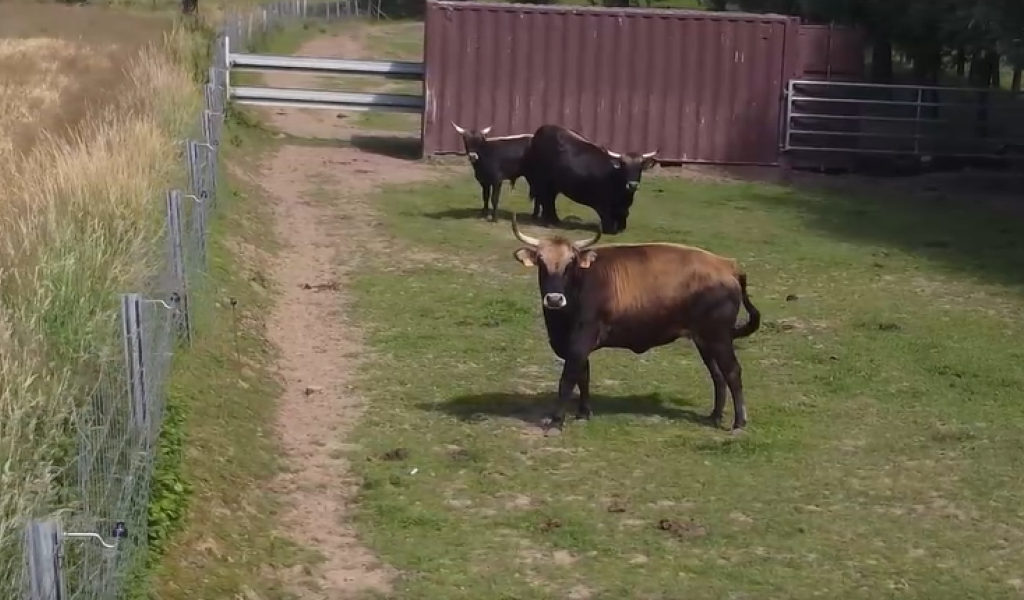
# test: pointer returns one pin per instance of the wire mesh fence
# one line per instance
(95, 537)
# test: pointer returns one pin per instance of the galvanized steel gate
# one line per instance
(853, 118)
(290, 97)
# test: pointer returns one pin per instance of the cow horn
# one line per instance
(459, 129)
(613, 154)
(486, 130)
(522, 237)
(584, 244)
(649, 154)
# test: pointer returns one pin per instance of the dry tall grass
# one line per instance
(80, 222)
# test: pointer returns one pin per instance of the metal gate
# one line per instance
(864, 118)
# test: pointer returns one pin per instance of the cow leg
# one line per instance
(536, 206)
(549, 214)
(572, 370)
(485, 193)
(725, 356)
(717, 379)
(495, 196)
(583, 410)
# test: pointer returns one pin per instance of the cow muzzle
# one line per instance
(473, 157)
(632, 185)
(554, 301)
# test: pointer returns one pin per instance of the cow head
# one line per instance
(558, 261)
(631, 166)
(473, 140)
(628, 168)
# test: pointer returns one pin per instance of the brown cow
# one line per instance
(638, 296)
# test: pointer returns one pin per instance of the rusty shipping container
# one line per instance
(827, 53)
(831, 53)
(698, 86)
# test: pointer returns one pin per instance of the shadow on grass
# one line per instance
(971, 222)
(505, 216)
(532, 408)
(397, 146)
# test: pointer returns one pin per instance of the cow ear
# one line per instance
(587, 258)
(650, 162)
(526, 255)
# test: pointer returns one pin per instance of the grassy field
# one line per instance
(58, 62)
(91, 105)
(885, 429)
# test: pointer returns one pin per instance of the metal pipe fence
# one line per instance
(96, 535)
(912, 120)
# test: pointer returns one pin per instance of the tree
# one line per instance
(928, 32)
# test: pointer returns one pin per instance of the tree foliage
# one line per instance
(930, 33)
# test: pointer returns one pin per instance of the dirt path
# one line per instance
(325, 222)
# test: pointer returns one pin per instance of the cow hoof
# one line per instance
(492, 218)
(552, 423)
(737, 431)
(714, 421)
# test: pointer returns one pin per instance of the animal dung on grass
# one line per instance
(683, 530)
(395, 454)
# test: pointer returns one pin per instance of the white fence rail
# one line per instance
(330, 100)
(287, 97)
(390, 69)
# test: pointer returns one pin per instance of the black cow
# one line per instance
(494, 160)
(561, 161)
(638, 297)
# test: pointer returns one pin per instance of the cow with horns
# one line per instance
(638, 297)
(561, 161)
(494, 160)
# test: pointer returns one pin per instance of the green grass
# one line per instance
(400, 39)
(882, 454)
(384, 121)
(227, 397)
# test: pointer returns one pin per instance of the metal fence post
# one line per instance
(180, 273)
(134, 352)
(195, 176)
(42, 560)
(210, 130)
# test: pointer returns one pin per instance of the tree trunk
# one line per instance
(927, 64)
(1015, 84)
(961, 61)
(977, 75)
(881, 60)
(995, 78)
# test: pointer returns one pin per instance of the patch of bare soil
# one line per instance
(325, 223)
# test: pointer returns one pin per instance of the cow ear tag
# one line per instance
(525, 256)
(587, 258)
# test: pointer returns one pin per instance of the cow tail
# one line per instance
(753, 315)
